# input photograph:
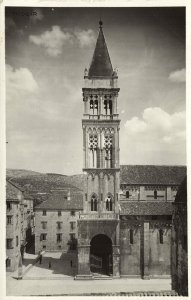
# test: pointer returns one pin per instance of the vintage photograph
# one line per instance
(96, 169)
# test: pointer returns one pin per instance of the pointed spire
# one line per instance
(101, 64)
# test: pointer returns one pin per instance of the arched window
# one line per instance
(93, 105)
(109, 203)
(93, 145)
(110, 107)
(107, 106)
(155, 194)
(94, 203)
(108, 151)
(161, 236)
(127, 194)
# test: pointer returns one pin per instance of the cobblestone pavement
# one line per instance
(74, 287)
(37, 281)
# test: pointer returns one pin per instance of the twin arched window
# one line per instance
(108, 203)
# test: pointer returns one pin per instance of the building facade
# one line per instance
(14, 197)
(125, 227)
(180, 242)
(56, 222)
(19, 215)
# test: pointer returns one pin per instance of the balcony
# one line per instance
(99, 216)
(101, 117)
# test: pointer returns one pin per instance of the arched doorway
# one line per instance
(101, 255)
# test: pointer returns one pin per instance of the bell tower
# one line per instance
(101, 167)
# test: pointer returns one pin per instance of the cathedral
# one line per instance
(124, 229)
(119, 224)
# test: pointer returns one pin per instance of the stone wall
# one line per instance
(179, 242)
(145, 256)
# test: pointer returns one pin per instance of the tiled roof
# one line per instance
(101, 63)
(146, 208)
(150, 174)
(12, 191)
(58, 201)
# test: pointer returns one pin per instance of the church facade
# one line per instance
(124, 229)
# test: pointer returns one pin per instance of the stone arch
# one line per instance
(101, 254)
(93, 202)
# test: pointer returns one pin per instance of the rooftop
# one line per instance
(146, 208)
(12, 191)
(152, 174)
(59, 201)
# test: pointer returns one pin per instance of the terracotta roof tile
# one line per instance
(146, 208)
(58, 201)
(152, 174)
(12, 191)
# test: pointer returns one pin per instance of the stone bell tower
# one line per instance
(98, 226)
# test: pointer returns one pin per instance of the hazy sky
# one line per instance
(46, 55)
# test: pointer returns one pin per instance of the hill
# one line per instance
(40, 185)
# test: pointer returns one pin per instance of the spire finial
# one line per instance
(100, 23)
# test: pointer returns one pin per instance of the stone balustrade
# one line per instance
(93, 216)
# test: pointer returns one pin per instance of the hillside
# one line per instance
(20, 172)
(40, 185)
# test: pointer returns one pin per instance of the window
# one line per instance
(127, 194)
(72, 213)
(44, 225)
(9, 205)
(59, 225)
(161, 236)
(94, 203)
(59, 246)
(108, 151)
(44, 213)
(43, 236)
(93, 145)
(93, 106)
(44, 247)
(72, 236)
(155, 194)
(9, 243)
(59, 237)
(107, 106)
(17, 241)
(131, 236)
(109, 203)
(9, 220)
(72, 225)
(8, 263)
(59, 213)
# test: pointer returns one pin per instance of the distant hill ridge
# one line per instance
(39, 185)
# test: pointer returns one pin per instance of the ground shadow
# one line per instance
(65, 264)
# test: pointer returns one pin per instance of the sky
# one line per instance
(47, 50)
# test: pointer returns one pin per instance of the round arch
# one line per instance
(101, 255)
